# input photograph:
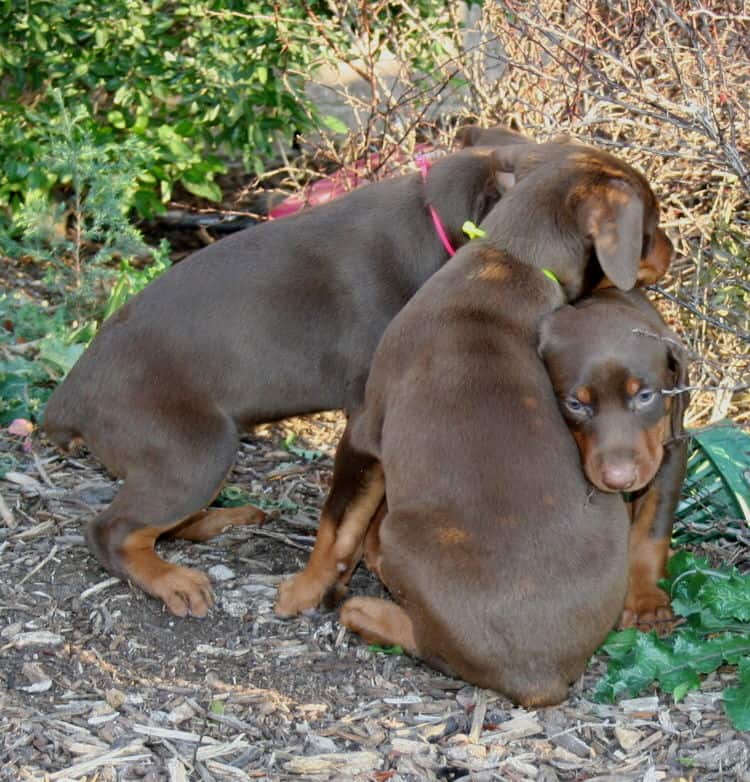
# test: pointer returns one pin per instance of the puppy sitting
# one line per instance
(611, 358)
(506, 568)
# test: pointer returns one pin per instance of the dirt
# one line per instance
(98, 682)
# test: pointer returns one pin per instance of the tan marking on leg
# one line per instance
(209, 523)
(335, 550)
(379, 621)
(373, 556)
(184, 591)
(646, 605)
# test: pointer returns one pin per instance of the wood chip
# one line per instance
(172, 735)
(35, 638)
(516, 728)
(627, 738)
(219, 750)
(480, 710)
(644, 707)
(349, 763)
(724, 756)
(131, 753)
(6, 514)
(176, 770)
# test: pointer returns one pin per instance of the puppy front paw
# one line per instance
(648, 610)
(299, 593)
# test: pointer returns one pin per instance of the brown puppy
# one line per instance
(280, 319)
(507, 567)
(611, 360)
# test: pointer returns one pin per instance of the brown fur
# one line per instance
(281, 319)
(616, 347)
(495, 579)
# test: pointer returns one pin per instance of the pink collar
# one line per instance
(423, 164)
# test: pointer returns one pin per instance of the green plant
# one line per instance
(716, 605)
(86, 223)
(40, 342)
(186, 80)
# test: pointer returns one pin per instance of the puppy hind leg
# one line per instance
(165, 489)
(379, 621)
(209, 523)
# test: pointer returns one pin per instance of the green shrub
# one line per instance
(184, 79)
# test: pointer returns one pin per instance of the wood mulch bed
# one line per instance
(99, 683)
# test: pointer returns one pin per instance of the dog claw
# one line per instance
(298, 594)
(185, 592)
(658, 618)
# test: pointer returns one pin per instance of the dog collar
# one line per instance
(423, 164)
(472, 231)
(549, 273)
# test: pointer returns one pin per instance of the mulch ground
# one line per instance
(99, 683)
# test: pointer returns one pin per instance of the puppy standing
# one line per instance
(612, 362)
(506, 567)
(281, 319)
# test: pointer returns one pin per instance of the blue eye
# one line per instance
(574, 405)
(645, 396)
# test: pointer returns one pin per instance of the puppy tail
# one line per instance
(61, 420)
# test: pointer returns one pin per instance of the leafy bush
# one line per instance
(42, 341)
(182, 79)
(716, 606)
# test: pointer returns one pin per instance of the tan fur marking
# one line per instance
(530, 402)
(583, 395)
(491, 272)
(335, 545)
(184, 591)
(212, 522)
(632, 385)
(379, 621)
(452, 536)
(646, 605)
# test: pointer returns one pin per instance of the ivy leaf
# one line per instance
(729, 599)
(737, 699)
(619, 644)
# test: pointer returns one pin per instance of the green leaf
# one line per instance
(60, 355)
(737, 699)
(619, 644)
(380, 649)
(334, 124)
(729, 599)
(205, 189)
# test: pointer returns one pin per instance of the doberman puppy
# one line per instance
(277, 320)
(614, 366)
(507, 567)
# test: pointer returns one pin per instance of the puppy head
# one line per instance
(465, 185)
(595, 217)
(610, 360)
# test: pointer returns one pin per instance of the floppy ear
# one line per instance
(678, 364)
(612, 217)
(656, 263)
(548, 327)
(466, 136)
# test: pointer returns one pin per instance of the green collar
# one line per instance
(473, 232)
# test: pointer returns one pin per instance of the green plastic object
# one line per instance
(717, 484)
